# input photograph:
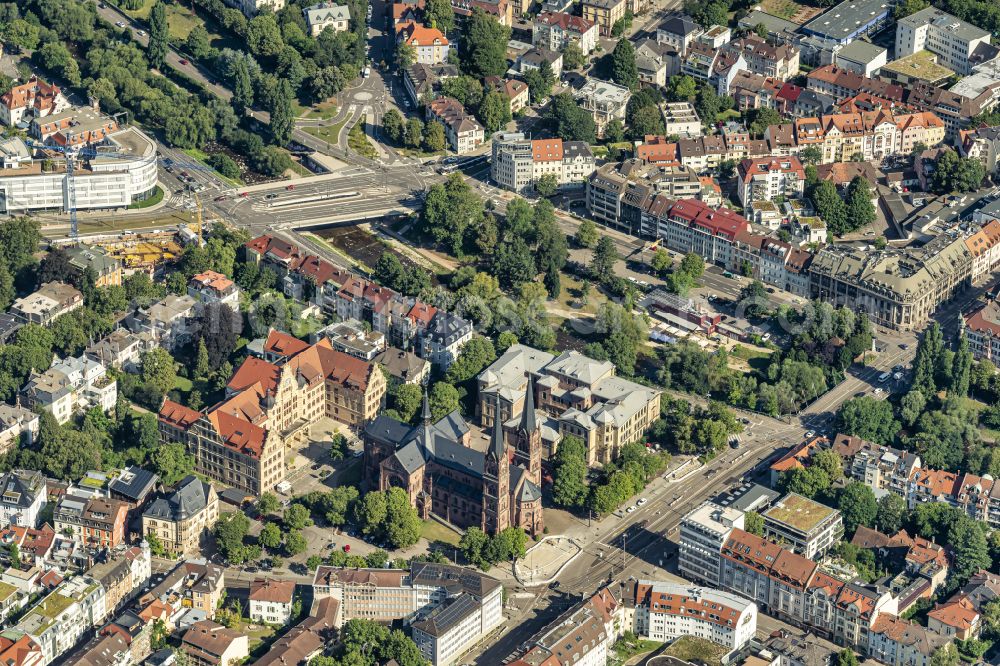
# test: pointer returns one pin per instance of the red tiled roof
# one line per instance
(178, 415)
(283, 344)
(958, 613)
(254, 371)
(547, 150)
(721, 222)
(237, 434)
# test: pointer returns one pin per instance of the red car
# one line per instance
(184, 61)
(290, 187)
(244, 194)
(347, 547)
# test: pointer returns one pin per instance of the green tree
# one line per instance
(962, 369)
(269, 537)
(198, 42)
(573, 57)
(295, 543)
(846, 657)
(830, 207)
(586, 234)
(682, 88)
(406, 400)
(296, 517)
(946, 655)
(602, 264)
(869, 419)
(860, 209)
(230, 531)
(264, 36)
(485, 52)
(547, 185)
(929, 353)
(414, 133)
(476, 355)
(242, 87)
(906, 7)
(282, 114)
(624, 71)
(891, 514)
(858, 506)
(268, 503)
(443, 399)
(440, 14)
(569, 480)
(956, 174)
(969, 548)
(573, 123)
(473, 545)
(402, 528)
(159, 35)
(494, 111)
(19, 35)
(157, 369)
(393, 125)
(754, 523)
(171, 462)
(406, 55)
(434, 137)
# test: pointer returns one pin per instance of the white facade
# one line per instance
(950, 38)
(60, 620)
(327, 15)
(702, 533)
(104, 183)
(519, 162)
(270, 612)
(22, 497)
(554, 30)
(71, 384)
(442, 640)
(665, 611)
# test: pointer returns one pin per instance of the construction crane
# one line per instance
(197, 200)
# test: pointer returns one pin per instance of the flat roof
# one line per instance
(861, 51)
(847, 18)
(922, 65)
(798, 512)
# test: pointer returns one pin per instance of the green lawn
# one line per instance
(357, 140)
(321, 111)
(626, 648)
(142, 12)
(201, 156)
(435, 531)
(183, 384)
(328, 133)
(697, 650)
(181, 21)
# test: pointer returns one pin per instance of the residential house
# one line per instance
(604, 13)
(133, 485)
(23, 495)
(767, 179)
(666, 611)
(168, 322)
(519, 162)
(325, 15)
(211, 287)
(17, 424)
(655, 62)
(209, 644)
(271, 600)
(429, 44)
(96, 522)
(534, 59)
(679, 31)
(71, 385)
(403, 367)
(305, 640)
(463, 131)
(107, 269)
(51, 300)
(121, 349)
(589, 629)
(604, 100)
(424, 81)
(779, 62)
(32, 99)
(809, 527)
(554, 30)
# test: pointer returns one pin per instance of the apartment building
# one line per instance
(809, 527)
(606, 101)
(325, 15)
(959, 44)
(898, 289)
(897, 642)
(767, 179)
(63, 616)
(69, 386)
(779, 62)
(604, 13)
(982, 143)
(665, 611)
(271, 600)
(463, 131)
(106, 268)
(195, 584)
(32, 99)
(519, 162)
(429, 44)
(51, 300)
(96, 522)
(680, 118)
(182, 518)
(168, 322)
(583, 636)
(703, 531)
(585, 397)
(23, 495)
(882, 468)
(613, 187)
(448, 608)
(123, 575)
(305, 640)
(982, 331)
(655, 62)
(554, 30)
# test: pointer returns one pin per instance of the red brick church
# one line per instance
(444, 476)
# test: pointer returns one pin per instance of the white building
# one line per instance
(16, 421)
(448, 631)
(680, 118)
(33, 99)
(29, 184)
(702, 533)
(69, 385)
(327, 15)
(664, 611)
(463, 131)
(519, 162)
(52, 300)
(606, 101)
(22, 497)
(271, 600)
(959, 45)
(810, 528)
(61, 619)
(212, 287)
(767, 178)
(554, 30)
(251, 8)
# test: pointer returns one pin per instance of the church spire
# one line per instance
(497, 443)
(425, 413)
(528, 412)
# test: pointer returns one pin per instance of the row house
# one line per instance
(95, 522)
(193, 584)
(954, 109)
(984, 246)
(793, 588)
(518, 162)
(584, 635)
(555, 30)
(767, 179)
(841, 83)
(982, 331)
(62, 617)
(664, 611)
(881, 468)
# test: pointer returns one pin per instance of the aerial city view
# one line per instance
(499, 332)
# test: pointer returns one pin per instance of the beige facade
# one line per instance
(605, 13)
(181, 519)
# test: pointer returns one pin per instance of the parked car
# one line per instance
(120, 24)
